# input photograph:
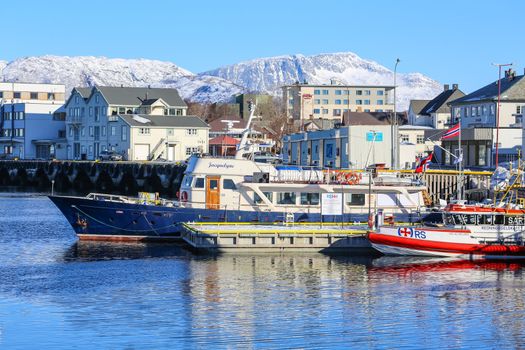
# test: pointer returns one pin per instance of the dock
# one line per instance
(251, 237)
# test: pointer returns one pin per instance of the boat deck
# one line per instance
(313, 237)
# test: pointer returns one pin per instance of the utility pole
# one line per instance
(499, 65)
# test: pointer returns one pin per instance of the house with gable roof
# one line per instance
(139, 123)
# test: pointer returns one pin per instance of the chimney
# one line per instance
(446, 87)
(455, 86)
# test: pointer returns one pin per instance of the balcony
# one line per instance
(74, 119)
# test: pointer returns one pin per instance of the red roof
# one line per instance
(224, 140)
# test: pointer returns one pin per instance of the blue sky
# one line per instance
(450, 41)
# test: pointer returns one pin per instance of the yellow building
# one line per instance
(306, 101)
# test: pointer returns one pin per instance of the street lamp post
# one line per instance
(395, 146)
(497, 112)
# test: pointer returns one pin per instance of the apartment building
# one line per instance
(139, 123)
(306, 101)
(32, 120)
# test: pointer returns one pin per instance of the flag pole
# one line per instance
(460, 163)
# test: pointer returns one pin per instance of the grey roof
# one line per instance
(417, 105)
(159, 121)
(439, 104)
(85, 92)
(133, 96)
(512, 89)
(372, 118)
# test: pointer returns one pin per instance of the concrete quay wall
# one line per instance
(83, 177)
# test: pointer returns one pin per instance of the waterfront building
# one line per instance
(139, 123)
(434, 113)
(32, 120)
(308, 101)
(479, 108)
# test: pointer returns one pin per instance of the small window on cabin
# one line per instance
(286, 198)
(355, 199)
(187, 181)
(228, 184)
(309, 198)
(199, 182)
(258, 200)
(214, 184)
(498, 219)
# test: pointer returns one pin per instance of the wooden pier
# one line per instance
(249, 237)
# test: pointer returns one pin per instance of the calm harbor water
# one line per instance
(60, 294)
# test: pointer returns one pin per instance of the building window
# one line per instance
(367, 110)
(96, 98)
(518, 109)
(83, 131)
(1, 94)
(144, 131)
(367, 92)
(191, 131)
(485, 110)
(113, 131)
(325, 92)
(33, 95)
(8, 149)
(345, 102)
(192, 150)
(124, 133)
(337, 102)
(103, 131)
(337, 112)
(317, 101)
(16, 94)
(19, 132)
(404, 138)
(380, 92)
(91, 133)
(466, 111)
(479, 110)
(380, 102)
(358, 102)
(97, 116)
(367, 102)
(122, 110)
(359, 92)
(325, 111)
(474, 111)
(355, 199)
(317, 92)
(338, 92)
(325, 101)
(317, 111)
(50, 96)
(420, 139)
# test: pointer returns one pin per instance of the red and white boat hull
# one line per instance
(426, 241)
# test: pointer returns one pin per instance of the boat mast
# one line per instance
(244, 139)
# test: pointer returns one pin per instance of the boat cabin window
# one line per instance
(286, 198)
(499, 220)
(309, 198)
(214, 184)
(199, 182)
(355, 199)
(228, 184)
(258, 200)
(187, 181)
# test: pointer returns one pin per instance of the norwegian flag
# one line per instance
(424, 163)
(453, 131)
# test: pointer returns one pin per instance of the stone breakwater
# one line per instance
(83, 177)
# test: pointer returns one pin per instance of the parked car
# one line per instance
(109, 155)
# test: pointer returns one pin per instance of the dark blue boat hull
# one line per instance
(105, 219)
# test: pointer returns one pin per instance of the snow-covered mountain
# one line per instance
(269, 74)
(88, 71)
(265, 75)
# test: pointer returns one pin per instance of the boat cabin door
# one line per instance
(213, 192)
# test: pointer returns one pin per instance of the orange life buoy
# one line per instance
(184, 196)
(370, 221)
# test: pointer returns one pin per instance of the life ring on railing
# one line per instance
(353, 178)
(184, 196)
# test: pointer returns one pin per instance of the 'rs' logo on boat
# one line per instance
(405, 232)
